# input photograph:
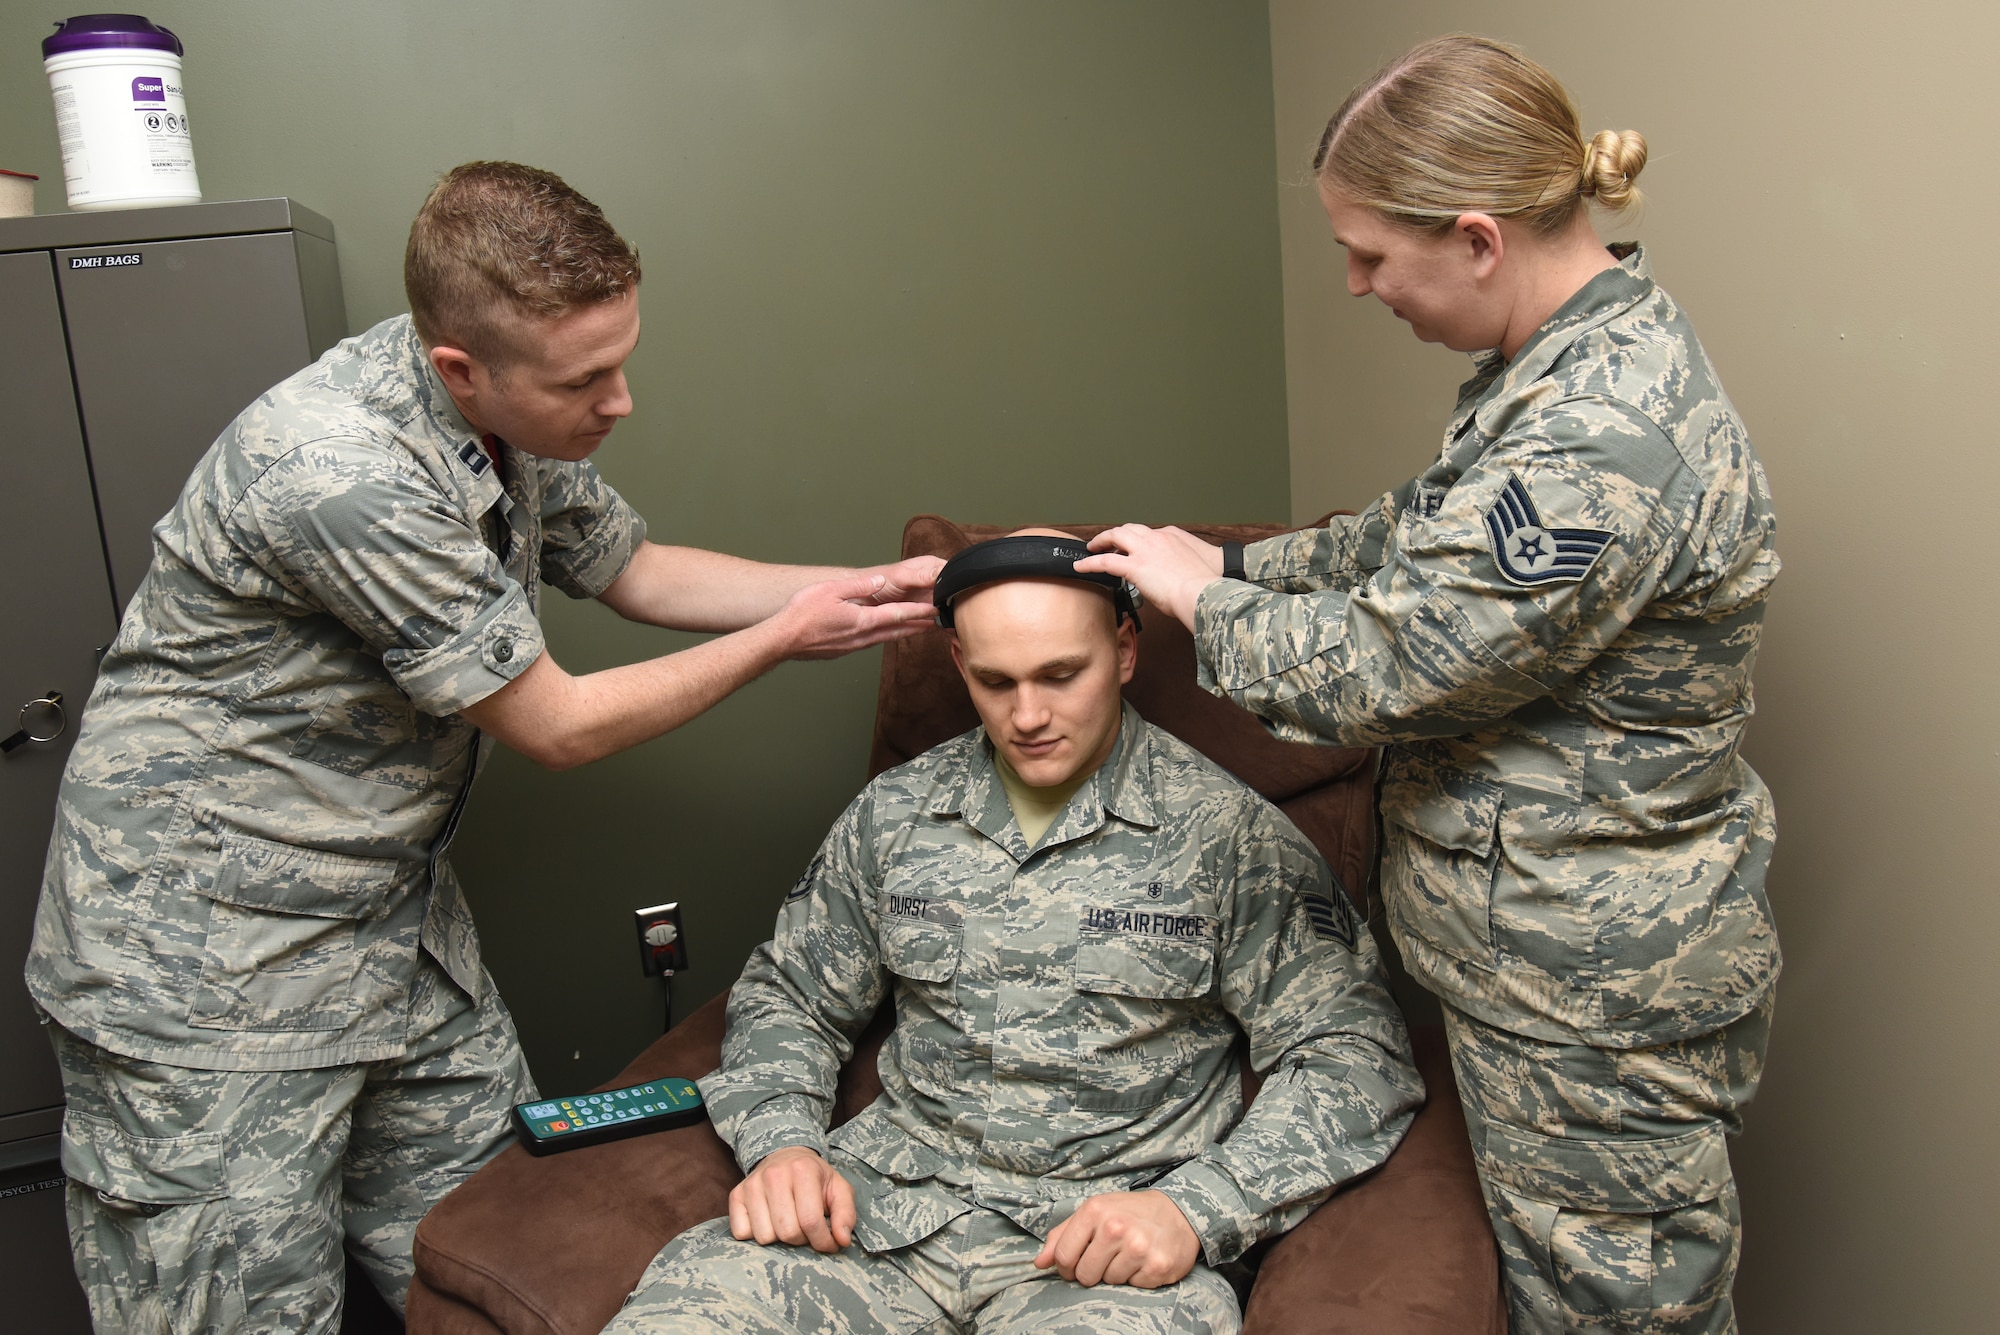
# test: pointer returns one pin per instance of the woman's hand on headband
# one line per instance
(1170, 566)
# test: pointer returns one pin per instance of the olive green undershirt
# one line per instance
(1035, 809)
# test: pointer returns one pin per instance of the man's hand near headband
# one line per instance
(771, 615)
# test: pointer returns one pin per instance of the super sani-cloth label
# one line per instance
(124, 129)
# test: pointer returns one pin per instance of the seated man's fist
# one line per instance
(794, 1196)
(1139, 1238)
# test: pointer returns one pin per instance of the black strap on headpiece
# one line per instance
(1026, 558)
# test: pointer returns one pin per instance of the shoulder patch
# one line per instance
(804, 885)
(1332, 919)
(1527, 552)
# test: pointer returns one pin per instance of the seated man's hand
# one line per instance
(794, 1196)
(1139, 1238)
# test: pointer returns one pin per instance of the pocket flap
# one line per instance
(918, 950)
(175, 1171)
(1447, 806)
(1145, 954)
(1616, 1177)
(886, 1148)
(286, 878)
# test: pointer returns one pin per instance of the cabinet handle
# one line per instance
(52, 702)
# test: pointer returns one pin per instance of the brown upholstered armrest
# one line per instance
(1404, 1251)
(552, 1246)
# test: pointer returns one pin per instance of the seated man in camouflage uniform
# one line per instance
(1077, 915)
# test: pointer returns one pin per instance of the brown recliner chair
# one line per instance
(551, 1246)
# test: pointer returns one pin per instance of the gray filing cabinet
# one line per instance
(128, 340)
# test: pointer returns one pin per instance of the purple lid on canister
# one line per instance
(99, 32)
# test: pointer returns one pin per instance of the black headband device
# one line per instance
(1026, 558)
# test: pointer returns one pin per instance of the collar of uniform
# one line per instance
(1131, 795)
(399, 382)
(1121, 786)
(1601, 300)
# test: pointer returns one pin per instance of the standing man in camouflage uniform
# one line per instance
(275, 1033)
(1550, 632)
(1077, 916)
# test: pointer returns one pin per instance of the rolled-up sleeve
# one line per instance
(378, 546)
(589, 533)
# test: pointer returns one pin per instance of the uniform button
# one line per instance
(503, 651)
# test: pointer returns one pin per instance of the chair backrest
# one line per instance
(1328, 792)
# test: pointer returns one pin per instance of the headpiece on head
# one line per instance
(1025, 556)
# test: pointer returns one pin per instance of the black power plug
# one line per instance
(662, 947)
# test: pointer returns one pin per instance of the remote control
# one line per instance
(549, 1125)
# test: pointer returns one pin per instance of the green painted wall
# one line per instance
(1006, 261)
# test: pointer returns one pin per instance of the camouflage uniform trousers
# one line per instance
(207, 1202)
(975, 1275)
(1606, 1173)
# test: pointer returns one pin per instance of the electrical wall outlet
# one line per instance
(662, 942)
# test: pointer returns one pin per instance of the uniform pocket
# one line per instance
(161, 1230)
(1442, 854)
(1145, 966)
(1134, 1046)
(919, 951)
(924, 957)
(281, 950)
(896, 1201)
(142, 1172)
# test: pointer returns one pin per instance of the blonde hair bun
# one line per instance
(1464, 124)
(1611, 167)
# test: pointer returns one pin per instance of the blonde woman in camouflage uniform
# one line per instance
(1550, 632)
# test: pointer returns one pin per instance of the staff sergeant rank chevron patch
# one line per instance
(1529, 554)
(1332, 918)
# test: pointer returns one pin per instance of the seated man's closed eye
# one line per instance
(1077, 918)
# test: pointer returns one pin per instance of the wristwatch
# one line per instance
(1232, 561)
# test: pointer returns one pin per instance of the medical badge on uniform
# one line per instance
(1531, 554)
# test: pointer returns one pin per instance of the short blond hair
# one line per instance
(1463, 124)
(496, 240)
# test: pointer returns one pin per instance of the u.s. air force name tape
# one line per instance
(1530, 553)
(1140, 922)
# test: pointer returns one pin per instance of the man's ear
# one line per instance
(461, 373)
(1128, 650)
(957, 654)
(1484, 242)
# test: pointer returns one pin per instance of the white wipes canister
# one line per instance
(120, 112)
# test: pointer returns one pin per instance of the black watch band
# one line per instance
(1232, 561)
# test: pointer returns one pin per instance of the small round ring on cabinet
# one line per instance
(52, 701)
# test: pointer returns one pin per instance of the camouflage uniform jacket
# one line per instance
(1068, 1016)
(1551, 630)
(249, 839)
